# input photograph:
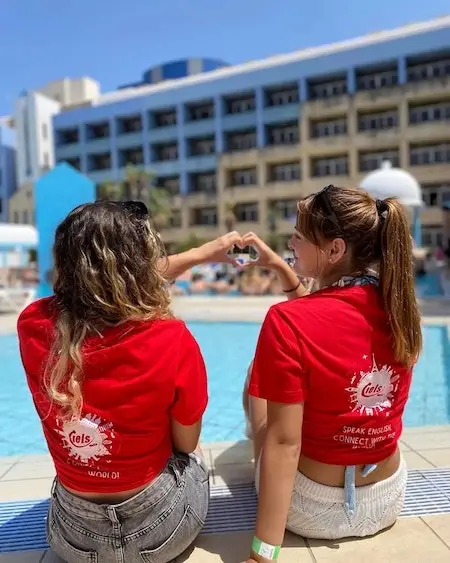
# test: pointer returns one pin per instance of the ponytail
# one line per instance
(397, 283)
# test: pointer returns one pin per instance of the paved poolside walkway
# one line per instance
(425, 539)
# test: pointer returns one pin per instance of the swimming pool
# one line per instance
(228, 349)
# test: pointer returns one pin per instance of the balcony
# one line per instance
(129, 140)
(427, 130)
(281, 153)
(199, 128)
(322, 108)
(379, 98)
(378, 138)
(238, 121)
(163, 134)
(72, 150)
(428, 89)
(280, 114)
(240, 159)
(201, 163)
(331, 145)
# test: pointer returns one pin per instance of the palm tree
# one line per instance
(230, 216)
(111, 191)
(273, 213)
(139, 185)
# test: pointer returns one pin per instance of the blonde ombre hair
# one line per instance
(106, 273)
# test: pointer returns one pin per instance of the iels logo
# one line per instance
(80, 440)
(87, 440)
(373, 391)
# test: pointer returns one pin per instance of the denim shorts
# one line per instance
(155, 526)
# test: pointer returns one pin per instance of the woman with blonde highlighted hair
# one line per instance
(120, 387)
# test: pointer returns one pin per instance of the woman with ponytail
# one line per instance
(120, 387)
(332, 373)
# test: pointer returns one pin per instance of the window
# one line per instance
(247, 212)
(199, 112)
(427, 71)
(282, 97)
(378, 121)
(201, 146)
(432, 235)
(287, 134)
(244, 177)
(25, 217)
(328, 89)
(165, 151)
(169, 183)
(329, 128)
(129, 124)
(100, 161)
(97, 130)
(46, 160)
(335, 166)
(74, 162)
(429, 154)
(133, 156)
(286, 172)
(434, 195)
(373, 160)
(204, 216)
(243, 141)
(164, 118)
(44, 131)
(68, 136)
(287, 208)
(175, 219)
(429, 112)
(242, 104)
(375, 80)
(16, 216)
(203, 182)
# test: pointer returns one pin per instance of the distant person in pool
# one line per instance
(120, 387)
(332, 373)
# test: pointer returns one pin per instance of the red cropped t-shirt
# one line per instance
(136, 379)
(333, 351)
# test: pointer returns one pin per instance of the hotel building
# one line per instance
(261, 135)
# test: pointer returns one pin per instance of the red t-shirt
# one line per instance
(332, 350)
(136, 379)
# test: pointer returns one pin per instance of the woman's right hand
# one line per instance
(267, 258)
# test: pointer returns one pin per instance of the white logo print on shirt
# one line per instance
(374, 389)
(87, 439)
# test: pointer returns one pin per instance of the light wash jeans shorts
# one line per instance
(155, 526)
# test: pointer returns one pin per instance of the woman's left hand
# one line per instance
(267, 258)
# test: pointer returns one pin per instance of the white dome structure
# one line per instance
(393, 182)
(18, 235)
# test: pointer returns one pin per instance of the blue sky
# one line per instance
(114, 41)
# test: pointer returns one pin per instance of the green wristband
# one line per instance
(270, 552)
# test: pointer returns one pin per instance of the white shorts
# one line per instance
(318, 511)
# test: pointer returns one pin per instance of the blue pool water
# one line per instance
(228, 349)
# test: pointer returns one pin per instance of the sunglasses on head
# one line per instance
(323, 200)
(135, 208)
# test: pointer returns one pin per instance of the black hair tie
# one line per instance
(382, 208)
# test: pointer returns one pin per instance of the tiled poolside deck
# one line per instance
(424, 539)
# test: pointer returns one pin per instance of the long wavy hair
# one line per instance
(377, 234)
(107, 272)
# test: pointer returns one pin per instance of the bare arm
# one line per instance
(213, 251)
(185, 438)
(290, 283)
(279, 461)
